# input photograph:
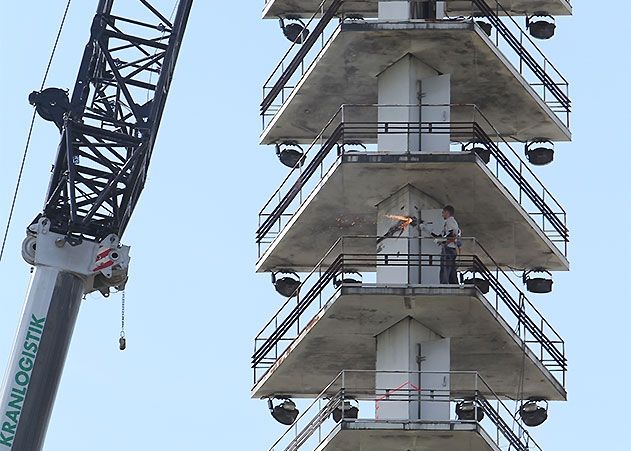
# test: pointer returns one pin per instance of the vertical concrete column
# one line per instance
(407, 202)
(394, 10)
(404, 352)
(403, 10)
(402, 86)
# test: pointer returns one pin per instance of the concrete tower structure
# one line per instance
(387, 111)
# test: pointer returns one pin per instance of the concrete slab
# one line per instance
(409, 436)
(368, 8)
(346, 72)
(342, 337)
(344, 204)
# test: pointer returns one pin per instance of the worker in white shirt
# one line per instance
(449, 247)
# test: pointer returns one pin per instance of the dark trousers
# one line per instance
(448, 274)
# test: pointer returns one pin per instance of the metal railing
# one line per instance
(525, 55)
(299, 54)
(468, 129)
(351, 255)
(348, 402)
(265, 2)
(507, 35)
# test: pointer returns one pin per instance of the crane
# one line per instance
(108, 127)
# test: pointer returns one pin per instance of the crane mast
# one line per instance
(108, 130)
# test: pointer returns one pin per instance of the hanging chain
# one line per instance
(122, 341)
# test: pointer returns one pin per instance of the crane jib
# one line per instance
(108, 131)
(113, 118)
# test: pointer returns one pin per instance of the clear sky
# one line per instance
(194, 302)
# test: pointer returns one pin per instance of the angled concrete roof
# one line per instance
(342, 337)
(344, 204)
(393, 435)
(345, 72)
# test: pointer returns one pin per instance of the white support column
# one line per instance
(404, 10)
(408, 202)
(435, 95)
(410, 82)
(394, 10)
(440, 10)
(403, 351)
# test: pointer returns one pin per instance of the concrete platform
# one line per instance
(344, 204)
(346, 72)
(342, 336)
(407, 436)
(368, 8)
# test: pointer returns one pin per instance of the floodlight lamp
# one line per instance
(345, 411)
(348, 277)
(290, 153)
(285, 412)
(354, 18)
(540, 151)
(480, 149)
(350, 147)
(469, 410)
(538, 285)
(481, 284)
(486, 27)
(533, 414)
(541, 25)
(288, 285)
(296, 31)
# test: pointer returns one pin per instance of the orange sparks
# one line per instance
(405, 220)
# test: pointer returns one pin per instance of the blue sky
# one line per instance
(194, 302)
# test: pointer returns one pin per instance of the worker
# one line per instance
(449, 242)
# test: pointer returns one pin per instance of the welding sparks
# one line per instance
(404, 221)
(400, 226)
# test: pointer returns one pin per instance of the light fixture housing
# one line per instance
(287, 285)
(483, 153)
(481, 284)
(284, 412)
(487, 27)
(480, 149)
(356, 146)
(469, 410)
(538, 285)
(533, 414)
(539, 151)
(291, 154)
(295, 31)
(541, 25)
(345, 411)
(347, 278)
(354, 18)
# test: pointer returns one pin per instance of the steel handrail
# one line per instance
(515, 44)
(297, 186)
(520, 441)
(476, 131)
(305, 47)
(518, 309)
(524, 55)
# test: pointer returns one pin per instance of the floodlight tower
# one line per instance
(108, 130)
(387, 111)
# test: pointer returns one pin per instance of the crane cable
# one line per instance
(30, 132)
